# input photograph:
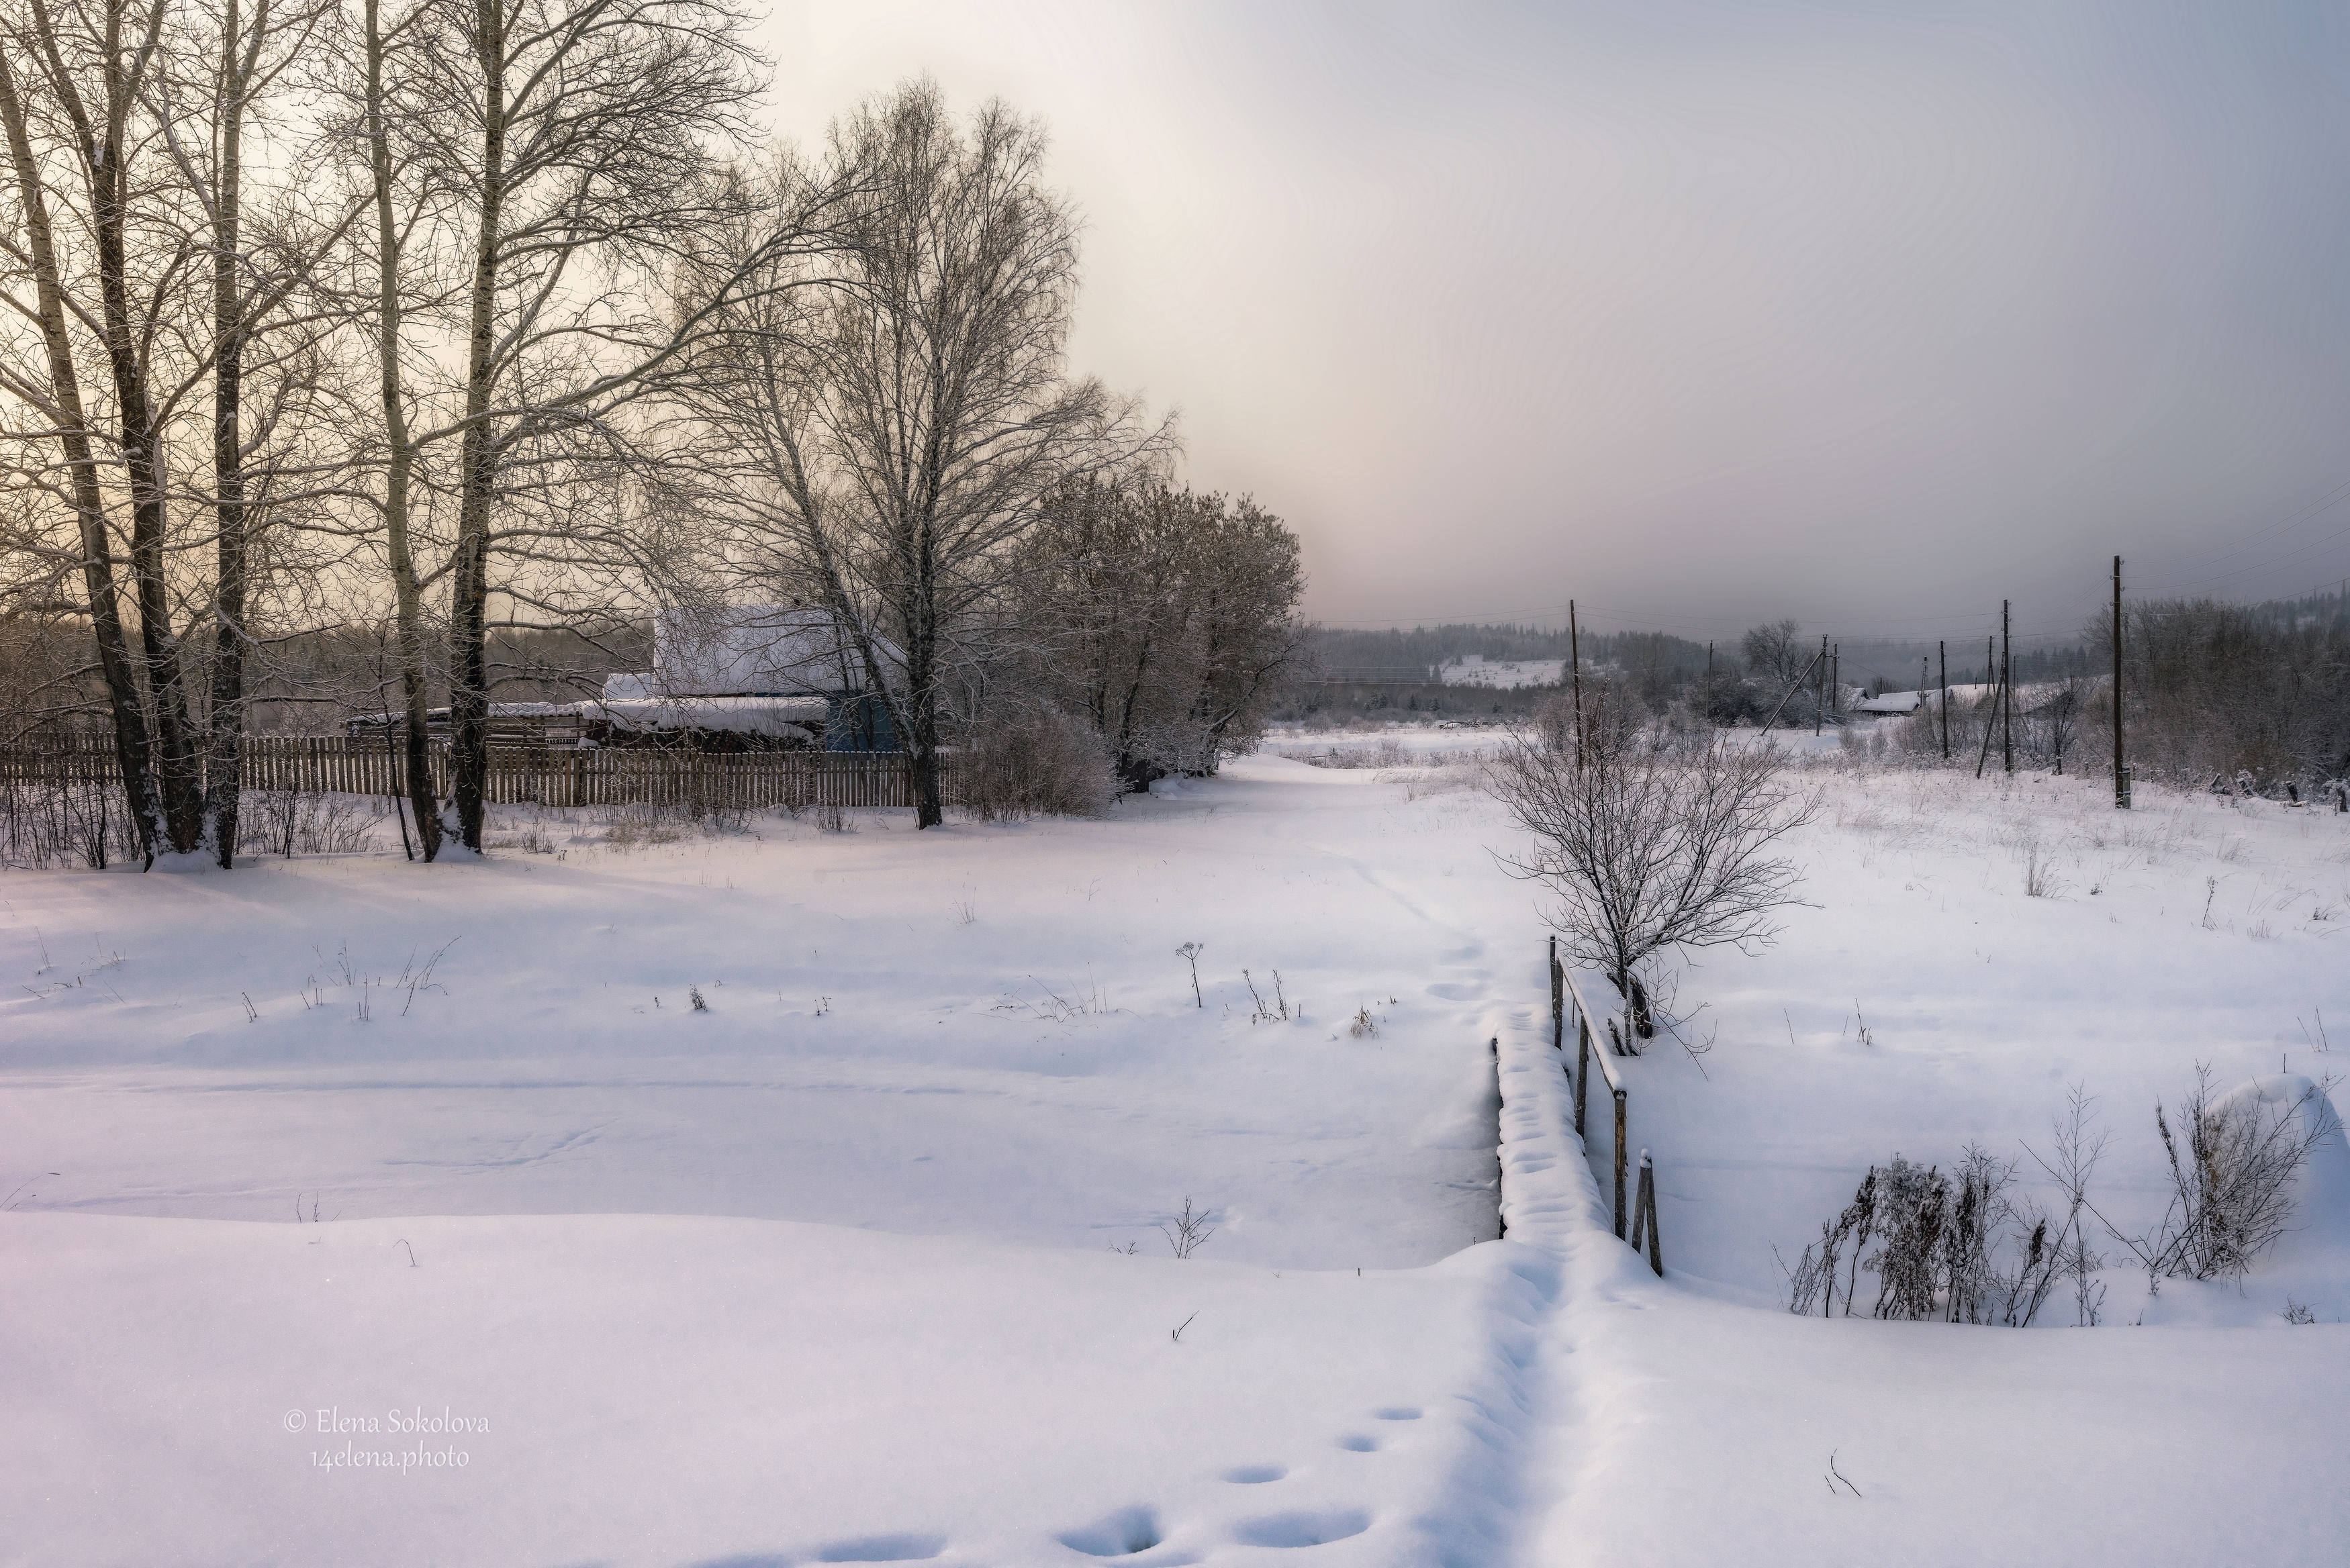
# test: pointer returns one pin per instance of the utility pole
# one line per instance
(1835, 675)
(1945, 648)
(2007, 688)
(1820, 708)
(1574, 657)
(2121, 768)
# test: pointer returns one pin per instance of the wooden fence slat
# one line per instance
(372, 765)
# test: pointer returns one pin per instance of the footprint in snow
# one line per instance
(1254, 1475)
(884, 1548)
(1303, 1528)
(1122, 1534)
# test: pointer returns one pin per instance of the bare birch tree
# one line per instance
(897, 435)
(546, 162)
(127, 143)
(71, 83)
(270, 330)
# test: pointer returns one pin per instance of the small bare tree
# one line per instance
(1188, 1231)
(1649, 845)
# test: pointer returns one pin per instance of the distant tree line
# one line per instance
(2210, 689)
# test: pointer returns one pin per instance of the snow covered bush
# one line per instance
(1650, 841)
(1162, 619)
(2233, 1161)
(1036, 764)
(1961, 1249)
(1950, 1249)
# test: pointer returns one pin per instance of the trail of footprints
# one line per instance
(1132, 1531)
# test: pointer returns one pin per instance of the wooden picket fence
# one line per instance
(543, 776)
(1566, 996)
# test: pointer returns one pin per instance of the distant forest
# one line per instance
(1404, 655)
(2211, 689)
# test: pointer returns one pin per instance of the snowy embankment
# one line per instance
(838, 1269)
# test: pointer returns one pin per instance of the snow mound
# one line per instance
(2319, 1231)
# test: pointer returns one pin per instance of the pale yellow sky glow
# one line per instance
(1703, 314)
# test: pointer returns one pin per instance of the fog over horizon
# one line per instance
(1703, 314)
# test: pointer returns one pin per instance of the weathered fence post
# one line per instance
(1619, 1165)
(1558, 999)
(1582, 1066)
(1644, 1216)
(1500, 1217)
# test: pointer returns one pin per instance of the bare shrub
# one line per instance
(1916, 1207)
(2233, 1161)
(635, 827)
(1188, 1231)
(2039, 879)
(289, 822)
(1649, 843)
(1038, 764)
(57, 822)
(1953, 1249)
(2076, 1150)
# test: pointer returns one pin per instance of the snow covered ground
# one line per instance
(863, 1260)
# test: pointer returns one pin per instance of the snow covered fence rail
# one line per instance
(1642, 1216)
(542, 776)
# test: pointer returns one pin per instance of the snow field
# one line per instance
(1982, 1003)
(1676, 1428)
(826, 1272)
(672, 1390)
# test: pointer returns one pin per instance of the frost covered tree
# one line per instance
(1166, 618)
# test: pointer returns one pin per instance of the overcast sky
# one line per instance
(1867, 314)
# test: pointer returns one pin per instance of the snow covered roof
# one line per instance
(497, 710)
(782, 718)
(751, 650)
(1891, 702)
